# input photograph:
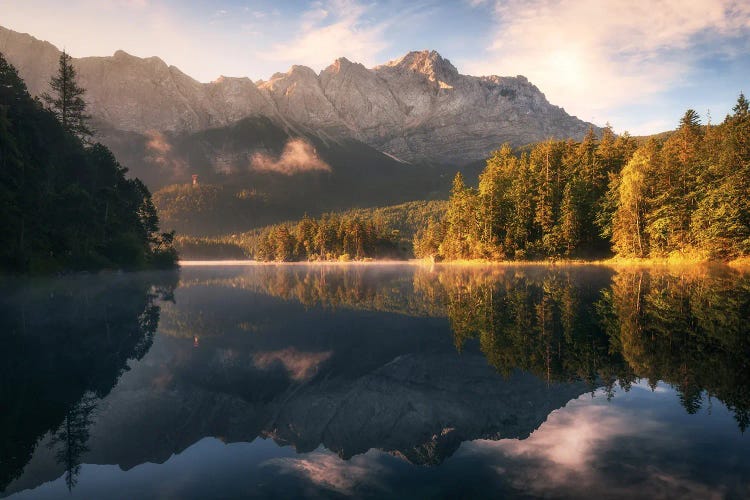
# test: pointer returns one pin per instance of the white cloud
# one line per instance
(139, 4)
(330, 30)
(590, 56)
(570, 438)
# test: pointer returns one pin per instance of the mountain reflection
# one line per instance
(688, 328)
(65, 345)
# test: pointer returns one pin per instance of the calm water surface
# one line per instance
(374, 381)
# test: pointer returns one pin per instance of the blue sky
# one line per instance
(635, 64)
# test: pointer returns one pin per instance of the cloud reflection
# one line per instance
(591, 448)
(327, 471)
(300, 365)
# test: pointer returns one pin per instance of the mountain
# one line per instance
(300, 142)
(254, 172)
(417, 108)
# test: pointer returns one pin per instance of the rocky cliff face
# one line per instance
(417, 108)
(133, 94)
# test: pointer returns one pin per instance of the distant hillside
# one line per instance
(405, 218)
(254, 173)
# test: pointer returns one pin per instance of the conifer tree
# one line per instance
(496, 205)
(570, 217)
(66, 100)
(720, 224)
(461, 232)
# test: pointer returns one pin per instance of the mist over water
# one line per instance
(373, 381)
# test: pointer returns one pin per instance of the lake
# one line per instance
(377, 380)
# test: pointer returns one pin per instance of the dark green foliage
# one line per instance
(65, 205)
(398, 224)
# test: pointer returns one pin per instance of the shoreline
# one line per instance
(615, 263)
(252, 263)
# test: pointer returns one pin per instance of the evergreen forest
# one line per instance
(65, 201)
(685, 195)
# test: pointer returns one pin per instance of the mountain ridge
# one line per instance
(415, 108)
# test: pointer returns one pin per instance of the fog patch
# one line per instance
(298, 156)
(159, 152)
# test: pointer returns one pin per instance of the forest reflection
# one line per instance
(65, 345)
(608, 328)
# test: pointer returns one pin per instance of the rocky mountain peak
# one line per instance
(426, 62)
(123, 57)
(296, 75)
(339, 65)
(229, 80)
(301, 72)
(342, 61)
(121, 54)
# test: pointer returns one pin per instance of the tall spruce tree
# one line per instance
(66, 100)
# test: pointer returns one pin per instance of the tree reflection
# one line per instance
(607, 328)
(690, 330)
(541, 321)
(65, 345)
(72, 437)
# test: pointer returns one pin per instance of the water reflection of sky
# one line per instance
(638, 444)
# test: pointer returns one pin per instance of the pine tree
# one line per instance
(570, 217)
(461, 232)
(496, 206)
(66, 100)
(284, 244)
(63, 205)
(521, 218)
(720, 224)
(546, 163)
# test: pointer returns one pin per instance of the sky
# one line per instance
(635, 64)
